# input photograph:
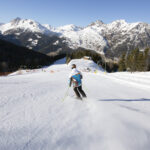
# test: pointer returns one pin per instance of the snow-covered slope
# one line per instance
(86, 37)
(85, 65)
(33, 115)
(82, 37)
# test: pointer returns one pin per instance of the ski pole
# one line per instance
(66, 94)
(85, 88)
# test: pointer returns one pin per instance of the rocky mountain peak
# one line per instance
(97, 23)
(15, 21)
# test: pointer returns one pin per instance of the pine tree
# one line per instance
(122, 65)
(141, 60)
(136, 61)
(132, 60)
(147, 58)
(129, 61)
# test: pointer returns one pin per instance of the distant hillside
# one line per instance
(36, 41)
(13, 57)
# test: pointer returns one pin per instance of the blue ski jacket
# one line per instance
(75, 78)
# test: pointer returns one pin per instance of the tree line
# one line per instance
(109, 66)
(14, 57)
(135, 60)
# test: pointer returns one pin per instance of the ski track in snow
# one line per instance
(33, 116)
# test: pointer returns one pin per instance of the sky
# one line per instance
(78, 12)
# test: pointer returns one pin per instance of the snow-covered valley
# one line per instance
(115, 116)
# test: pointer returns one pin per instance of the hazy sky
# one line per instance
(78, 12)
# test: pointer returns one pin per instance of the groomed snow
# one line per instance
(33, 115)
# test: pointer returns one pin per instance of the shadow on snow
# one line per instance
(126, 100)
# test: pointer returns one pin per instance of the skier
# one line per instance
(75, 78)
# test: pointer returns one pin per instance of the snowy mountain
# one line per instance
(110, 39)
(49, 27)
(33, 35)
(37, 114)
(82, 37)
(24, 25)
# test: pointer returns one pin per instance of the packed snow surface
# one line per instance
(36, 115)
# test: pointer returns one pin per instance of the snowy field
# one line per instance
(115, 116)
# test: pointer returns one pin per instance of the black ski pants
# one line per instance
(78, 91)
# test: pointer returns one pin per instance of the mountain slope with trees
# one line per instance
(13, 57)
(111, 39)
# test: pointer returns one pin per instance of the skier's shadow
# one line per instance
(128, 100)
(125, 100)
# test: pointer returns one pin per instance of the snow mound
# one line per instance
(85, 65)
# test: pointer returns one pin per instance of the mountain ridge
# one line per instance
(110, 39)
